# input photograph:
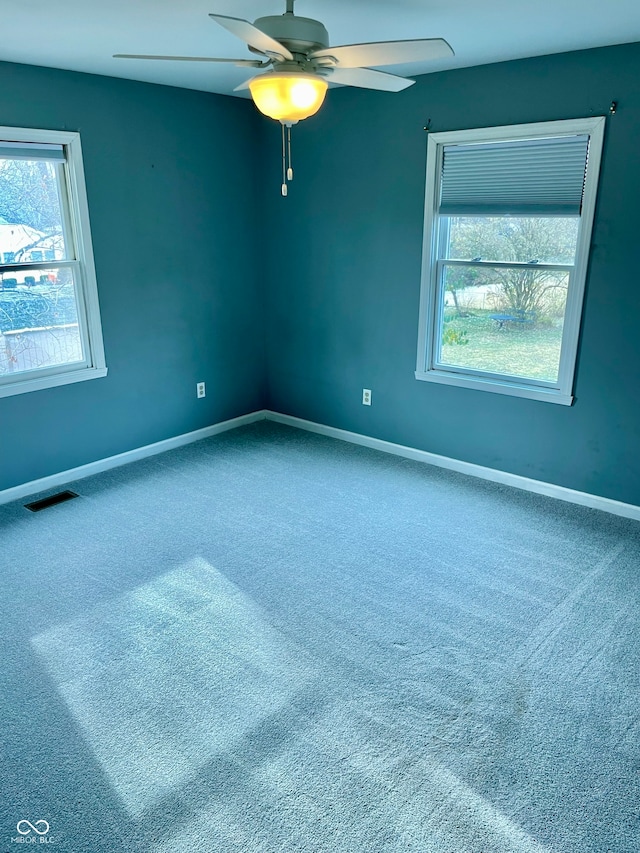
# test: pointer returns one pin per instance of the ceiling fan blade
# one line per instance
(252, 63)
(244, 85)
(367, 78)
(253, 36)
(385, 52)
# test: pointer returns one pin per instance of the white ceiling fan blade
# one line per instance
(367, 78)
(252, 36)
(252, 63)
(386, 52)
(244, 85)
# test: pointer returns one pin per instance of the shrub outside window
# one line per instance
(508, 220)
(50, 331)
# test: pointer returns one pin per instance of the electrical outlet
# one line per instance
(201, 391)
(366, 396)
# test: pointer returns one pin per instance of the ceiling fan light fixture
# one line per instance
(288, 96)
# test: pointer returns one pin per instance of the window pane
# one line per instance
(503, 320)
(31, 220)
(38, 321)
(548, 240)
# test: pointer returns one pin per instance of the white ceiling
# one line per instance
(82, 35)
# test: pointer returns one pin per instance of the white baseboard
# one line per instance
(493, 474)
(55, 480)
(525, 483)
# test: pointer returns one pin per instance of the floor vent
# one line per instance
(52, 500)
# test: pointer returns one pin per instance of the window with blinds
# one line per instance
(543, 177)
(508, 218)
(50, 330)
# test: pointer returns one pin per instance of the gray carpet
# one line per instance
(274, 642)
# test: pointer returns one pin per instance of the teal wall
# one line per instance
(199, 260)
(172, 184)
(343, 303)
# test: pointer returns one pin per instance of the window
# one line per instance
(50, 330)
(508, 218)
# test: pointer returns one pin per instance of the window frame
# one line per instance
(76, 226)
(428, 368)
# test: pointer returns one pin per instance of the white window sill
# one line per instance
(512, 389)
(25, 385)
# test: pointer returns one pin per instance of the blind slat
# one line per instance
(517, 178)
(31, 151)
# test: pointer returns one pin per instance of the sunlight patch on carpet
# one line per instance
(170, 675)
(341, 785)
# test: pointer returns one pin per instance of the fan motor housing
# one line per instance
(300, 35)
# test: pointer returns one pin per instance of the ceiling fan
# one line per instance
(299, 64)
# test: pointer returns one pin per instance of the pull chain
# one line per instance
(290, 169)
(287, 168)
(284, 164)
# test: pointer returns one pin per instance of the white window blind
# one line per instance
(31, 151)
(531, 177)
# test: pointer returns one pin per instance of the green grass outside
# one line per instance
(530, 350)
